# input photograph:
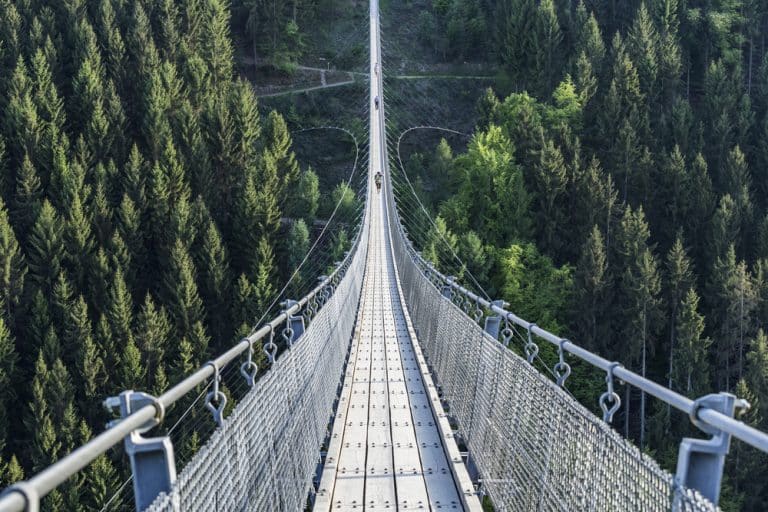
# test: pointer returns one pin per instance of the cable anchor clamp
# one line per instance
(610, 396)
(249, 368)
(216, 396)
(531, 348)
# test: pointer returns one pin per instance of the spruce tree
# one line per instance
(183, 299)
(680, 279)
(643, 46)
(12, 472)
(732, 300)
(27, 200)
(592, 293)
(8, 360)
(279, 146)
(90, 364)
(44, 448)
(120, 311)
(214, 265)
(216, 46)
(547, 40)
(244, 306)
(13, 268)
(79, 242)
(153, 331)
(46, 248)
(551, 182)
(296, 249)
(263, 285)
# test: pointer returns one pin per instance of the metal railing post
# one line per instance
(152, 461)
(700, 461)
(493, 322)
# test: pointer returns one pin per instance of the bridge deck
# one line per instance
(391, 445)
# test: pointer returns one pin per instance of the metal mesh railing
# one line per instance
(265, 455)
(535, 447)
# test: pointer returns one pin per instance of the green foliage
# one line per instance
(533, 286)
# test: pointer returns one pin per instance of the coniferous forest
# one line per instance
(150, 213)
(614, 190)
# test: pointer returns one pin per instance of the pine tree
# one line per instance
(183, 299)
(216, 282)
(641, 285)
(516, 21)
(264, 285)
(101, 213)
(100, 276)
(79, 242)
(120, 257)
(46, 248)
(303, 202)
(90, 365)
(720, 103)
(216, 46)
(296, 249)
(120, 311)
(737, 182)
(680, 279)
(589, 40)
(184, 364)
(592, 291)
(132, 179)
(27, 199)
(101, 482)
(12, 472)
(551, 182)
(8, 360)
(49, 104)
(153, 330)
(244, 306)
(107, 347)
(132, 373)
(547, 40)
(24, 126)
(671, 199)
(278, 141)
(44, 446)
(643, 46)
(13, 269)
(129, 227)
(732, 300)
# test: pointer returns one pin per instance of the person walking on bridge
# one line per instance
(377, 179)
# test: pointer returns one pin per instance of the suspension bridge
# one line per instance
(392, 387)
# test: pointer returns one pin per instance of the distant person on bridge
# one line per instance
(377, 179)
(376, 102)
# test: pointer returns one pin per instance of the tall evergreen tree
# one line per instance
(183, 299)
(46, 248)
(153, 331)
(592, 292)
(13, 269)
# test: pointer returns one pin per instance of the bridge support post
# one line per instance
(700, 461)
(493, 322)
(152, 460)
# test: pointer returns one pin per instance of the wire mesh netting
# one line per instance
(535, 447)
